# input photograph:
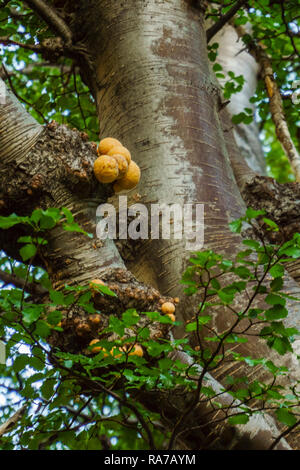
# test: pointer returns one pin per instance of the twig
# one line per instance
(6, 41)
(284, 433)
(20, 97)
(78, 99)
(212, 31)
(288, 31)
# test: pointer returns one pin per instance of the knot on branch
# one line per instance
(52, 48)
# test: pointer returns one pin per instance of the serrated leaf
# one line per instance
(130, 317)
(57, 297)
(277, 271)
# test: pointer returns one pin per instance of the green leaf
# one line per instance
(47, 389)
(46, 222)
(273, 299)
(238, 419)
(226, 297)
(253, 214)
(116, 325)
(54, 317)
(208, 391)
(104, 290)
(254, 312)
(242, 272)
(57, 297)
(68, 214)
(277, 284)
(36, 215)
(285, 417)
(36, 363)
(252, 243)
(217, 67)
(11, 220)
(277, 271)
(293, 252)
(42, 329)
(236, 226)
(28, 251)
(130, 317)
(215, 284)
(31, 313)
(281, 345)
(20, 362)
(273, 226)
(74, 227)
(276, 313)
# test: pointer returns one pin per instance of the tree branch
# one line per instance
(283, 434)
(30, 68)
(11, 422)
(31, 287)
(275, 103)
(53, 20)
(6, 41)
(212, 31)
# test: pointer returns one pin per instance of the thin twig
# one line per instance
(287, 28)
(284, 433)
(20, 97)
(6, 41)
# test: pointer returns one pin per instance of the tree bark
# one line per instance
(155, 93)
(160, 98)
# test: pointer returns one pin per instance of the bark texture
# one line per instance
(161, 100)
(155, 92)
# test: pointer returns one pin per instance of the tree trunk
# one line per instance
(156, 93)
(160, 98)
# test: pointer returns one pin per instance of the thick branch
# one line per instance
(30, 287)
(212, 31)
(50, 16)
(12, 422)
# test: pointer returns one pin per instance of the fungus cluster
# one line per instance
(168, 308)
(114, 164)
